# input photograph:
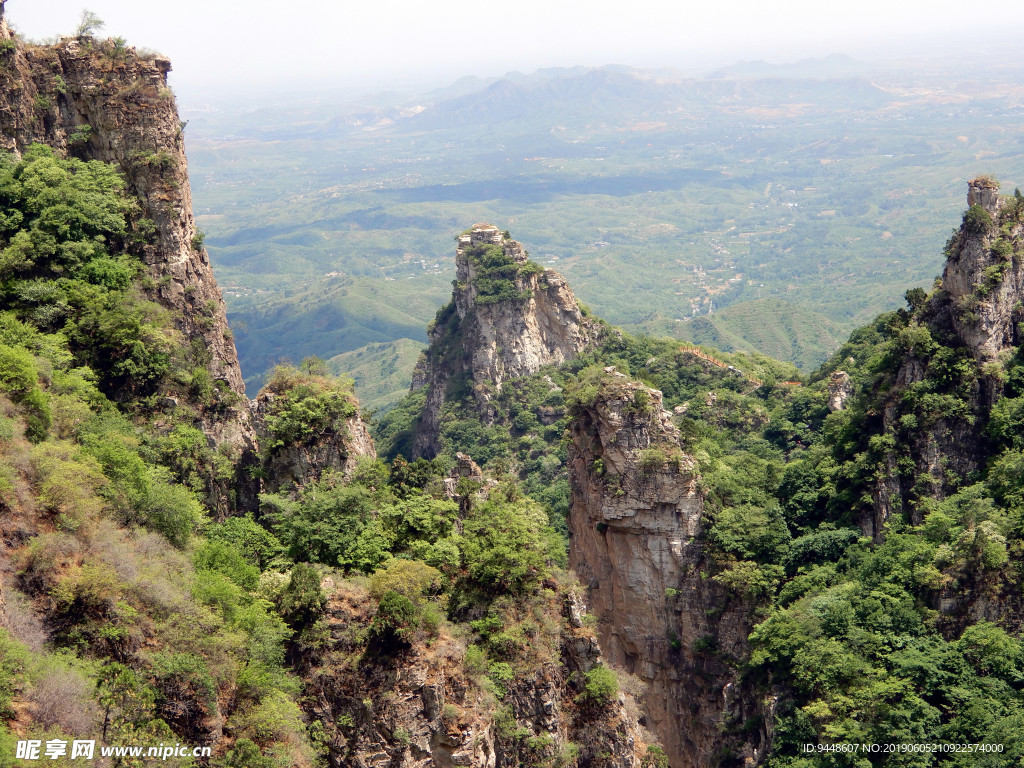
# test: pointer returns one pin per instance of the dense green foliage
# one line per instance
(861, 641)
(527, 438)
(306, 404)
(159, 621)
(501, 546)
(65, 266)
(497, 274)
(163, 621)
(850, 631)
(150, 628)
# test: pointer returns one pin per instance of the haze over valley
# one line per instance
(758, 206)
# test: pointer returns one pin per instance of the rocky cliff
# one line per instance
(983, 276)
(508, 318)
(101, 100)
(428, 705)
(308, 424)
(635, 527)
(955, 346)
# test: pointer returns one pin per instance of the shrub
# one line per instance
(504, 546)
(251, 540)
(410, 578)
(275, 719)
(324, 525)
(600, 687)
(306, 406)
(19, 380)
(396, 619)
(186, 692)
(977, 219)
(303, 600)
(62, 697)
(222, 558)
(13, 662)
(750, 531)
(89, 24)
(171, 510)
(652, 459)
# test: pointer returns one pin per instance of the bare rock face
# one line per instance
(100, 100)
(634, 525)
(508, 318)
(516, 338)
(983, 275)
(839, 390)
(422, 707)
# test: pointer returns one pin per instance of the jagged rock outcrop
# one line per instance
(978, 309)
(508, 318)
(984, 276)
(100, 100)
(634, 525)
(294, 459)
(423, 706)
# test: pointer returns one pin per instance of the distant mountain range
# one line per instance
(792, 200)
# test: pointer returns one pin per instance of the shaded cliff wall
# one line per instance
(635, 524)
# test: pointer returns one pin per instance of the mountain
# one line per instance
(580, 548)
(660, 197)
(833, 65)
(508, 318)
(339, 316)
(734, 522)
(770, 326)
(615, 94)
(242, 577)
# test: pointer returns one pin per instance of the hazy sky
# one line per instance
(216, 45)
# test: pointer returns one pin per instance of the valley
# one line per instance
(665, 199)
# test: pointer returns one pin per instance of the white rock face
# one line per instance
(491, 341)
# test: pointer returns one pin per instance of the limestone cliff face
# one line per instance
(634, 525)
(978, 309)
(508, 318)
(984, 276)
(423, 706)
(99, 100)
